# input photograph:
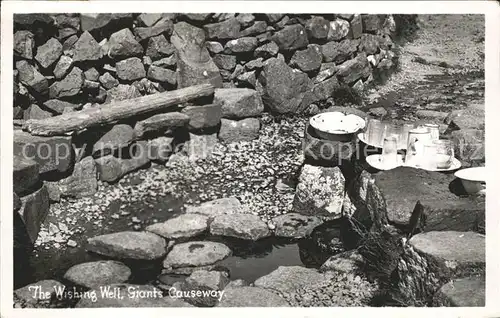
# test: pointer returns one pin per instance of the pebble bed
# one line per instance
(258, 173)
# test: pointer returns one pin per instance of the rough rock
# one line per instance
(368, 44)
(258, 27)
(371, 22)
(320, 92)
(205, 281)
(283, 88)
(48, 53)
(91, 74)
(162, 75)
(317, 28)
(122, 92)
(63, 66)
(251, 297)
(469, 146)
(433, 258)
(183, 226)
(185, 33)
(86, 48)
(123, 44)
(58, 106)
(34, 209)
(29, 76)
(167, 62)
(51, 153)
(191, 269)
(108, 81)
(134, 296)
(71, 85)
(25, 174)
(469, 118)
(320, 191)
(266, 50)
(165, 26)
(214, 47)
(338, 29)
(128, 245)
(239, 130)
(225, 62)
(24, 44)
(245, 19)
(294, 225)
(248, 79)
(229, 29)
(239, 102)
(196, 253)
(130, 69)
(118, 137)
(352, 70)
(35, 112)
(243, 226)
(82, 182)
(205, 116)
(217, 207)
(101, 21)
(98, 274)
(307, 60)
(241, 45)
(148, 19)
(462, 292)
(195, 66)
(291, 37)
(159, 47)
(161, 148)
(356, 26)
(339, 52)
(26, 294)
(111, 168)
(346, 262)
(287, 279)
(160, 123)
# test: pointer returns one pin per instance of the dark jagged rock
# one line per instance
(228, 29)
(317, 28)
(205, 116)
(165, 26)
(307, 60)
(48, 53)
(339, 52)
(123, 44)
(63, 66)
(159, 47)
(130, 69)
(86, 48)
(30, 77)
(24, 44)
(292, 37)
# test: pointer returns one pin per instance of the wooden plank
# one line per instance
(115, 111)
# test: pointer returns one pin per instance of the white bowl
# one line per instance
(336, 125)
(473, 179)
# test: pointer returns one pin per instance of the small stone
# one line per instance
(130, 69)
(183, 226)
(317, 28)
(243, 226)
(71, 85)
(167, 62)
(338, 29)
(118, 137)
(49, 53)
(108, 81)
(159, 47)
(63, 66)
(122, 92)
(291, 37)
(148, 19)
(245, 19)
(225, 30)
(35, 112)
(356, 26)
(71, 243)
(241, 45)
(307, 60)
(214, 47)
(162, 75)
(29, 76)
(165, 25)
(205, 116)
(369, 44)
(267, 50)
(225, 62)
(160, 123)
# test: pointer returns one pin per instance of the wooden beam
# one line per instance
(115, 111)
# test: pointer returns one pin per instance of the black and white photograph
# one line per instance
(172, 158)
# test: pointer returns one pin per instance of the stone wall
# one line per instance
(279, 63)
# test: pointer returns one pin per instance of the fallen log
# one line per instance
(115, 111)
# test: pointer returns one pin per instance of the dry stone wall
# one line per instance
(279, 63)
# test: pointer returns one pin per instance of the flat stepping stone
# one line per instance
(128, 295)
(128, 245)
(243, 226)
(287, 279)
(96, 274)
(294, 225)
(190, 270)
(26, 294)
(251, 297)
(206, 281)
(431, 259)
(462, 292)
(183, 226)
(197, 253)
(216, 207)
(404, 186)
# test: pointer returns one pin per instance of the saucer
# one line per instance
(374, 161)
(455, 164)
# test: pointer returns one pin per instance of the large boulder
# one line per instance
(39, 300)
(209, 282)
(283, 87)
(462, 292)
(29, 76)
(96, 22)
(339, 52)
(130, 69)
(205, 116)
(98, 274)
(123, 44)
(118, 137)
(469, 146)
(195, 66)
(307, 60)
(239, 102)
(243, 226)
(196, 253)
(24, 44)
(320, 191)
(183, 226)
(128, 245)
(239, 130)
(51, 153)
(251, 297)
(86, 48)
(25, 174)
(81, 183)
(111, 168)
(34, 209)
